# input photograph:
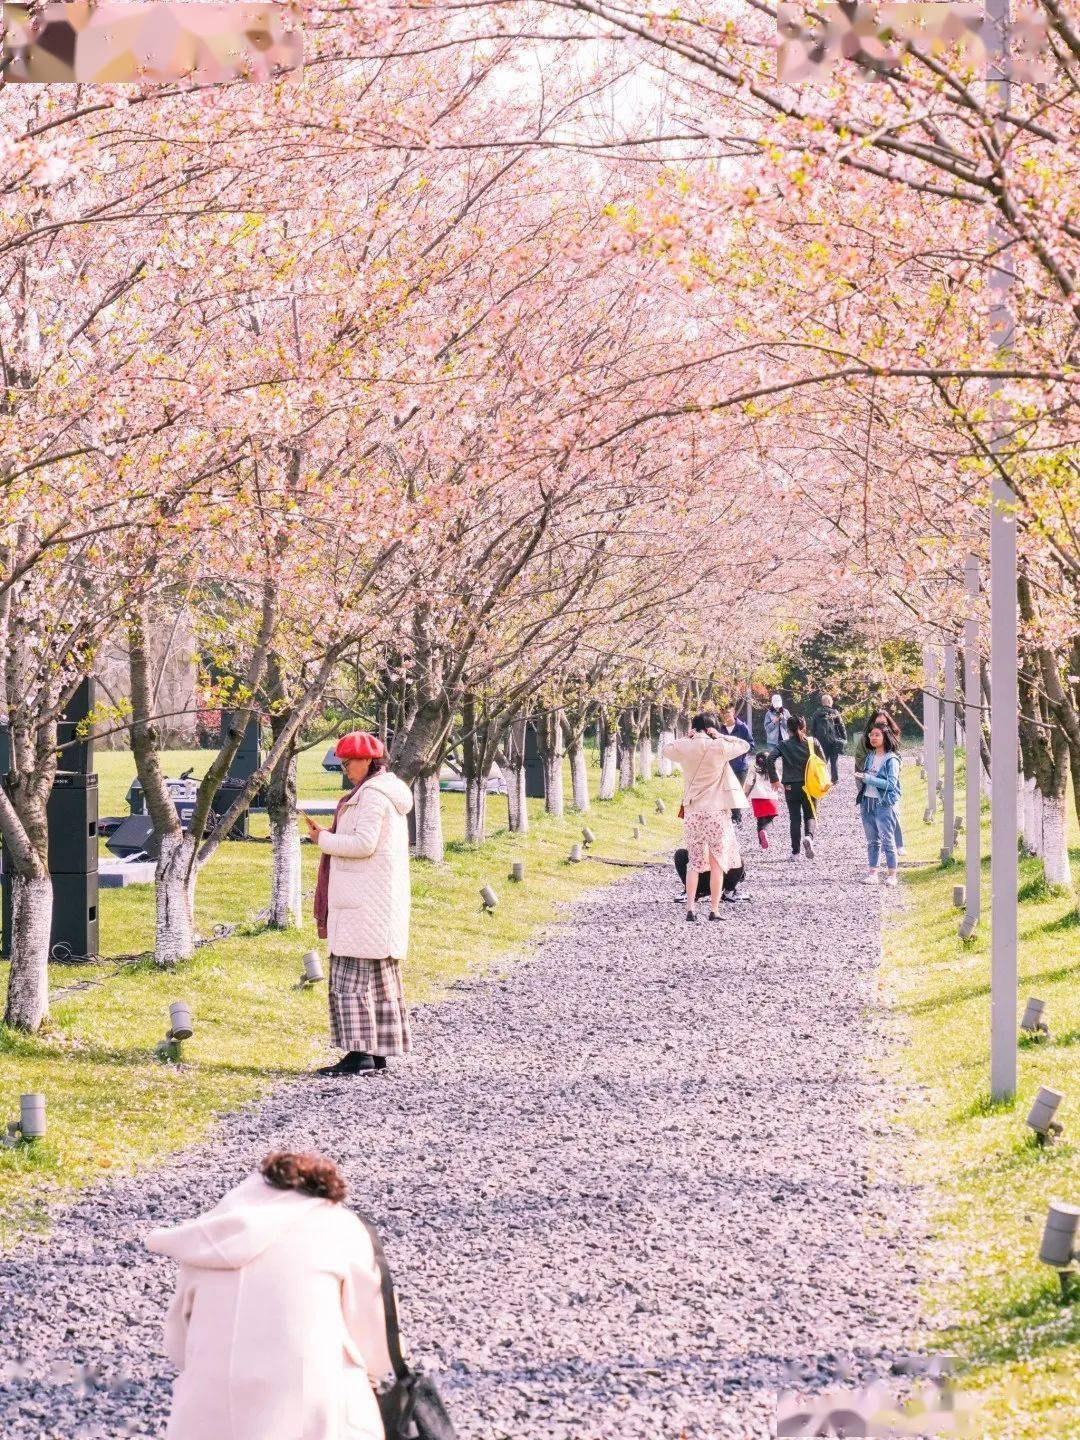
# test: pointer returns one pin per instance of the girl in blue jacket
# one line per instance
(880, 776)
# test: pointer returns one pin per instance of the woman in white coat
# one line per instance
(277, 1323)
(362, 908)
(710, 793)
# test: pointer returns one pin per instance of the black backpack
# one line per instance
(410, 1405)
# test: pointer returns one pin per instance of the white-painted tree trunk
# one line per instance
(285, 883)
(31, 929)
(664, 766)
(645, 756)
(554, 798)
(1021, 808)
(626, 766)
(609, 770)
(174, 929)
(1055, 844)
(579, 777)
(1032, 818)
(429, 831)
(476, 810)
(516, 809)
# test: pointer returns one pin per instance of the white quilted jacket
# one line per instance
(369, 872)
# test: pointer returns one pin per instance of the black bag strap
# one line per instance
(389, 1300)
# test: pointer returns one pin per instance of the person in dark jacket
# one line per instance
(793, 753)
(830, 732)
(729, 725)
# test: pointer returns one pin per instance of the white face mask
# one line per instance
(777, 703)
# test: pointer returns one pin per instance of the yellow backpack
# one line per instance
(816, 781)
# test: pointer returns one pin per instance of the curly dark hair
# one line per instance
(310, 1174)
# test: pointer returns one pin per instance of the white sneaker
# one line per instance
(890, 880)
(871, 878)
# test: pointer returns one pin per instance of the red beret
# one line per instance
(359, 745)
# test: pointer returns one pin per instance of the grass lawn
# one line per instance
(997, 1306)
(112, 1106)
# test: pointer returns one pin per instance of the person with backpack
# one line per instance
(830, 732)
(795, 754)
(277, 1324)
(777, 721)
(880, 778)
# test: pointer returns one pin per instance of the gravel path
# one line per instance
(624, 1187)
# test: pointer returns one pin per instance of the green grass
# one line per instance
(112, 1107)
(994, 1305)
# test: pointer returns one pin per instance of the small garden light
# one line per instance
(180, 1021)
(1032, 1022)
(660, 806)
(575, 854)
(313, 971)
(1058, 1246)
(488, 896)
(30, 1125)
(637, 832)
(959, 896)
(641, 819)
(517, 871)
(1041, 1115)
(587, 835)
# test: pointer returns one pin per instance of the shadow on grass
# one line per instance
(1032, 1324)
(963, 993)
(982, 1108)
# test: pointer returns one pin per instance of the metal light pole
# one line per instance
(930, 730)
(1004, 691)
(948, 809)
(972, 755)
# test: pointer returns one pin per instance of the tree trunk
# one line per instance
(476, 809)
(579, 774)
(627, 750)
(429, 831)
(609, 756)
(286, 889)
(517, 810)
(645, 751)
(549, 733)
(1055, 842)
(31, 929)
(174, 929)
(664, 766)
(1032, 816)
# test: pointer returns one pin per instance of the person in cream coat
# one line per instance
(276, 1324)
(711, 792)
(362, 903)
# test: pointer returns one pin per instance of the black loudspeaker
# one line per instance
(133, 836)
(534, 766)
(77, 754)
(73, 824)
(249, 756)
(5, 912)
(75, 917)
(5, 750)
(223, 800)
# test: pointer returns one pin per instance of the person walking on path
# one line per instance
(362, 902)
(277, 1324)
(794, 752)
(777, 722)
(729, 725)
(880, 777)
(762, 799)
(710, 793)
(830, 732)
(862, 749)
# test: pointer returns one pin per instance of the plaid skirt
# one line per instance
(367, 1006)
(710, 834)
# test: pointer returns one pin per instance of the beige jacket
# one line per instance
(709, 783)
(369, 872)
(277, 1323)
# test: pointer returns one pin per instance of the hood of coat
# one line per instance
(240, 1227)
(395, 790)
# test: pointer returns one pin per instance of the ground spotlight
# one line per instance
(637, 832)
(31, 1122)
(641, 819)
(313, 971)
(1058, 1246)
(587, 835)
(1041, 1115)
(517, 871)
(488, 896)
(575, 854)
(1032, 1022)
(660, 807)
(959, 896)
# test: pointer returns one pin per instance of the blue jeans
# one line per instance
(880, 824)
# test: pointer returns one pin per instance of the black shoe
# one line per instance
(713, 916)
(378, 1062)
(690, 915)
(354, 1063)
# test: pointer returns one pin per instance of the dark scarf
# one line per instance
(322, 884)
